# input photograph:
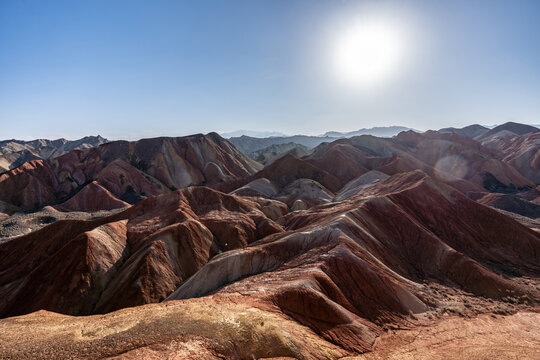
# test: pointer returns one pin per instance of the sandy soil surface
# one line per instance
(195, 330)
(190, 329)
(486, 336)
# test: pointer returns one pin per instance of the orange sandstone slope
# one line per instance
(130, 171)
(407, 246)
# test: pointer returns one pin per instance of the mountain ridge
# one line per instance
(15, 152)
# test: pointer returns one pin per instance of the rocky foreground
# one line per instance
(411, 247)
(191, 330)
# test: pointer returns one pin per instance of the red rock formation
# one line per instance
(456, 160)
(131, 258)
(511, 203)
(129, 170)
(273, 209)
(28, 185)
(163, 261)
(389, 251)
(462, 157)
(523, 153)
(288, 169)
(92, 197)
(71, 279)
(341, 160)
(342, 268)
(125, 181)
(508, 129)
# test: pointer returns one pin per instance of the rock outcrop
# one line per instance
(345, 270)
(92, 197)
(137, 256)
(312, 257)
(130, 171)
(271, 153)
(15, 152)
(470, 131)
(522, 152)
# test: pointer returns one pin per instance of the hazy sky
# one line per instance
(132, 69)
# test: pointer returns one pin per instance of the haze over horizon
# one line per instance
(128, 70)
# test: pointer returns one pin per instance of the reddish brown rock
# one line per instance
(511, 203)
(28, 185)
(341, 160)
(405, 247)
(129, 170)
(70, 279)
(464, 158)
(134, 257)
(456, 160)
(92, 197)
(159, 266)
(288, 169)
(522, 152)
(129, 183)
(343, 268)
(273, 209)
(343, 271)
(508, 129)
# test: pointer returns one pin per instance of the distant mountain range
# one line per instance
(381, 131)
(271, 153)
(261, 134)
(469, 131)
(250, 144)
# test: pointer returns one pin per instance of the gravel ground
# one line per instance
(485, 337)
(23, 223)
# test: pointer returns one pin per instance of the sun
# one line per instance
(369, 52)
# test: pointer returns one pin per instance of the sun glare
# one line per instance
(369, 52)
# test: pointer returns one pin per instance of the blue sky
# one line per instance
(132, 69)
